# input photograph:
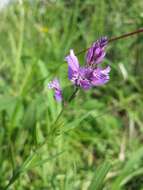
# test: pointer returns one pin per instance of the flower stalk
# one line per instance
(126, 35)
(117, 38)
(65, 104)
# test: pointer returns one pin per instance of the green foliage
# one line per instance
(99, 176)
(104, 123)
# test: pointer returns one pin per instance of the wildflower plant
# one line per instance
(91, 74)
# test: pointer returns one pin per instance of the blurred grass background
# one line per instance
(105, 123)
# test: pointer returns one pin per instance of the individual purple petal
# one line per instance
(99, 55)
(58, 95)
(89, 55)
(103, 41)
(96, 52)
(85, 84)
(106, 70)
(73, 64)
(100, 76)
(56, 86)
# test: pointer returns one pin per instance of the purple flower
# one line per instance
(96, 52)
(73, 64)
(56, 86)
(100, 76)
(91, 74)
(78, 75)
(83, 78)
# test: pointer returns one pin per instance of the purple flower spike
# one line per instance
(96, 53)
(56, 86)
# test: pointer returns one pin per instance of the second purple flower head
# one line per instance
(56, 86)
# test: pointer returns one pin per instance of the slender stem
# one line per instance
(117, 38)
(65, 105)
(126, 35)
(73, 95)
(59, 115)
(61, 112)
(82, 51)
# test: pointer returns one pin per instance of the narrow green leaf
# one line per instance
(31, 162)
(99, 176)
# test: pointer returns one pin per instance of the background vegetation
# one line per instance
(102, 126)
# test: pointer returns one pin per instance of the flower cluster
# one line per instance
(56, 86)
(89, 75)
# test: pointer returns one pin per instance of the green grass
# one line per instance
(97, 143)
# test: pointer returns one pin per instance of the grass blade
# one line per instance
(99, 176)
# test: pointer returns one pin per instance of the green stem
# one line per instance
(65, 105)
(73, 95)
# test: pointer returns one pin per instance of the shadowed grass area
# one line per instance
(101, 131)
